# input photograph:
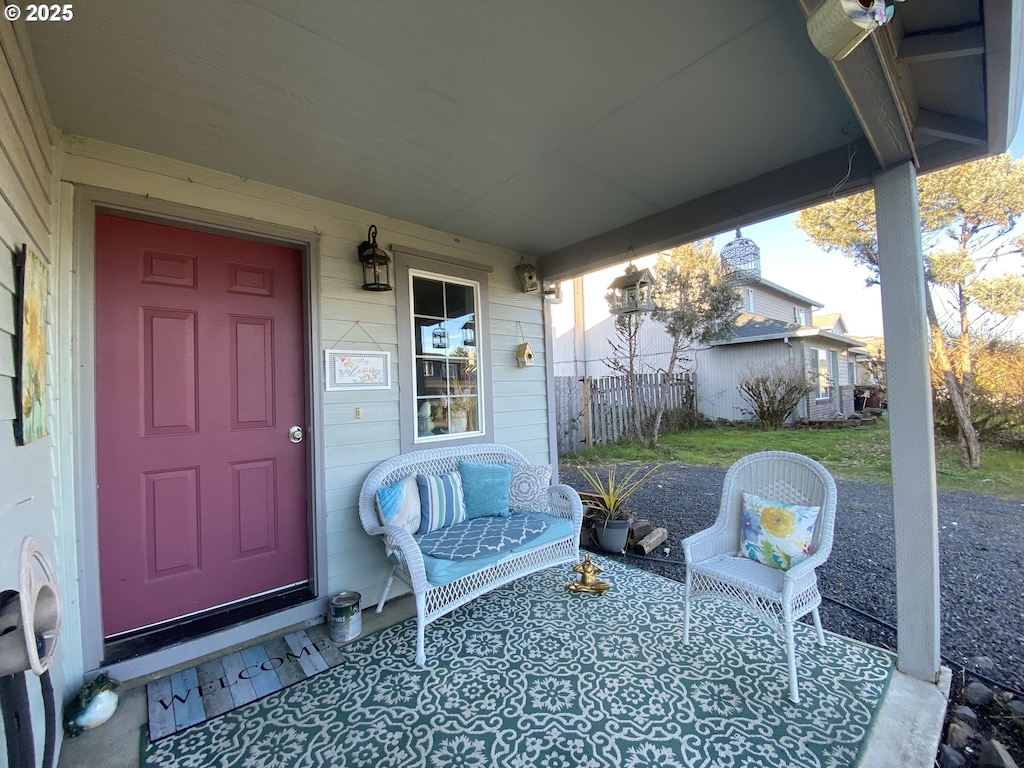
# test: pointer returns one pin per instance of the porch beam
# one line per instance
(945, 44)
(951, 127)
(1004, 69)
(871, 81)
(911, 430)
(840, 171)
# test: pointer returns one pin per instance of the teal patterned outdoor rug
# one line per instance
(531, 675)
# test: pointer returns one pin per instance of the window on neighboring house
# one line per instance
(819, 363)
(750, 299)
(442, 352)
(800, 315)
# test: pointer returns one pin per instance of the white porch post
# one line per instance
(911, 428)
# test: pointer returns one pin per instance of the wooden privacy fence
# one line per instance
(594, 411)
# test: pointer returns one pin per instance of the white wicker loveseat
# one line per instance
(440, 586)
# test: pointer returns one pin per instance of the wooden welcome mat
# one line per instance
(212, 688)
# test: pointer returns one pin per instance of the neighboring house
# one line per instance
(758, 341)
(198, 178)
(833, 323)
(870, 360)
(775, 324)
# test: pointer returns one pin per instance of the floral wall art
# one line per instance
(33, 292)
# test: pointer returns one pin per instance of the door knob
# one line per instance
(295, 434)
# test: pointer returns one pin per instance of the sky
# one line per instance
(789, 259)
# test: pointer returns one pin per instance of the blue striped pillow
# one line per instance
(441, 501)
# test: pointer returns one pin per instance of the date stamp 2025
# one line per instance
(40, 12)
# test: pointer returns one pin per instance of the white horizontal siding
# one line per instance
(352, 319)
(27, 500)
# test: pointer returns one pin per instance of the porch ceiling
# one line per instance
(572, 128)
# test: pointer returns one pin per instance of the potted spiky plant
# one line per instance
(606, 504)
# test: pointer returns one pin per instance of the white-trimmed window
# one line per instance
(819, 364)
(443, 350)
(446, 378)
(800, 315)
(750, 299)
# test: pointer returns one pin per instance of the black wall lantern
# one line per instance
(376, 263)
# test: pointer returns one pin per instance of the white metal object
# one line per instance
(433, 602)
(716, 568)
(37, 613)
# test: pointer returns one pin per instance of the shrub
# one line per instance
(774, 390)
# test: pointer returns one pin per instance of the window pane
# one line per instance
(427, 297)
(459, 299)
(426, 411)
(822, 374)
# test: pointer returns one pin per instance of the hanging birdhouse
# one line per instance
(632, 292)
(524, 355)
(528, 279)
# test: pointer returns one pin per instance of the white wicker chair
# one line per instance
(715, 566)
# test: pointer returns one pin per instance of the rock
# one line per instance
(1016, 708)
(978, 694)
(959, 735)
(965, 714)
(994, 755)
(1002, 697)
(950, 758)
(983, 664)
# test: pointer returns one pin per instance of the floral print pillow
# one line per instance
(776, 534)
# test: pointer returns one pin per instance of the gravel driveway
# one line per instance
(981, 547)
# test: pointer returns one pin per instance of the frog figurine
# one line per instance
(589, 582)
(94, 704)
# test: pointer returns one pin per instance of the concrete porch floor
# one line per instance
(906, 732)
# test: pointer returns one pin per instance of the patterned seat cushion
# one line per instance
(481, 536)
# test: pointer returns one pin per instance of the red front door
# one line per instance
(200, 375)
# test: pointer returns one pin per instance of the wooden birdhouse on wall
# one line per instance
(632, 292)
(529, 280)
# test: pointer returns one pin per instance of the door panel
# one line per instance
(200, 373)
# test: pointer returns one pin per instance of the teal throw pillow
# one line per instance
(776, 534)
(399, 504)
(485, 487)
(441, 501)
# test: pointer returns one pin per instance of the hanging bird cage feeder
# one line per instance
(439, 338)
(741, 260)
(632, 292)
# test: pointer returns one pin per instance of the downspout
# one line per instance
(579, 344)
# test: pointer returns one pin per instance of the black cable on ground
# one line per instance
(871, 617)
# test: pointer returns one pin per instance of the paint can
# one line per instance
(344, 620)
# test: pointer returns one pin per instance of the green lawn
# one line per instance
(860, 453)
